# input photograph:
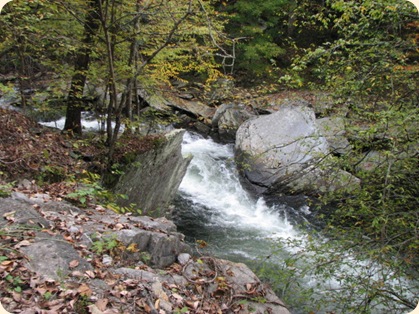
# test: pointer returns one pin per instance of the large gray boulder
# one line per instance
(51, 257)
(153, 179)
(227, 119)
(285, 153)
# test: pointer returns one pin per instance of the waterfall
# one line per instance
(213, 204)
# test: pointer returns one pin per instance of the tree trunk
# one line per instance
(74, 103)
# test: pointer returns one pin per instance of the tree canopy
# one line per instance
(363, 53)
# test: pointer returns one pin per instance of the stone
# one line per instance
(18, 212)
(50, 257)
(333, 129)
(152, 180)
(183, 258)
(162, 249)
(10, 100)
(240, 279)
(240, 276)
(227, 119)
(319, 180)
(66, 260)
(371, 160)
(285, 152)
(275, 147)
(107, 260)
(137, 274)
(169, 101)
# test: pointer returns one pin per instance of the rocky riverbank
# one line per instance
(64, 259)
(60, 258)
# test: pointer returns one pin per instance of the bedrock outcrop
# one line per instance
(153, 178)
(286, 152)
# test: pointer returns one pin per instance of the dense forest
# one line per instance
(363, 54)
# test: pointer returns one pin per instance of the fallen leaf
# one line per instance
(119, 226)
(77, 273)
(171, 286)
(68, 238)
(84, 290)
(8, 214)
(132, 248)
(192, 304)
(199, 289)
(131, 282)
(74, 263)
(101, 304)
(50, 281)
(142, 304)
(41, 290)
(7, 263)
(49, 232)
(17, 296)
(178, 297)
(93, 309)
(34, 281)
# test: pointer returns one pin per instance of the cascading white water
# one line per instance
(213, 206)
(213, 193)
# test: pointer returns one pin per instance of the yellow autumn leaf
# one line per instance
(133, 248)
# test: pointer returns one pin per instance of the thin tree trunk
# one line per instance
(24, 72)
(130, 83)
(74, 105)
(111, 140)
(133, 61)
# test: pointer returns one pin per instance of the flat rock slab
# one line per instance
(15, 213)
(52, 257)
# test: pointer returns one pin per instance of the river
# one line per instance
(212, 205)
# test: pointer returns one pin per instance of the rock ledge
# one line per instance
(72, 260)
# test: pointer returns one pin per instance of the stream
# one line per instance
(211, 205)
